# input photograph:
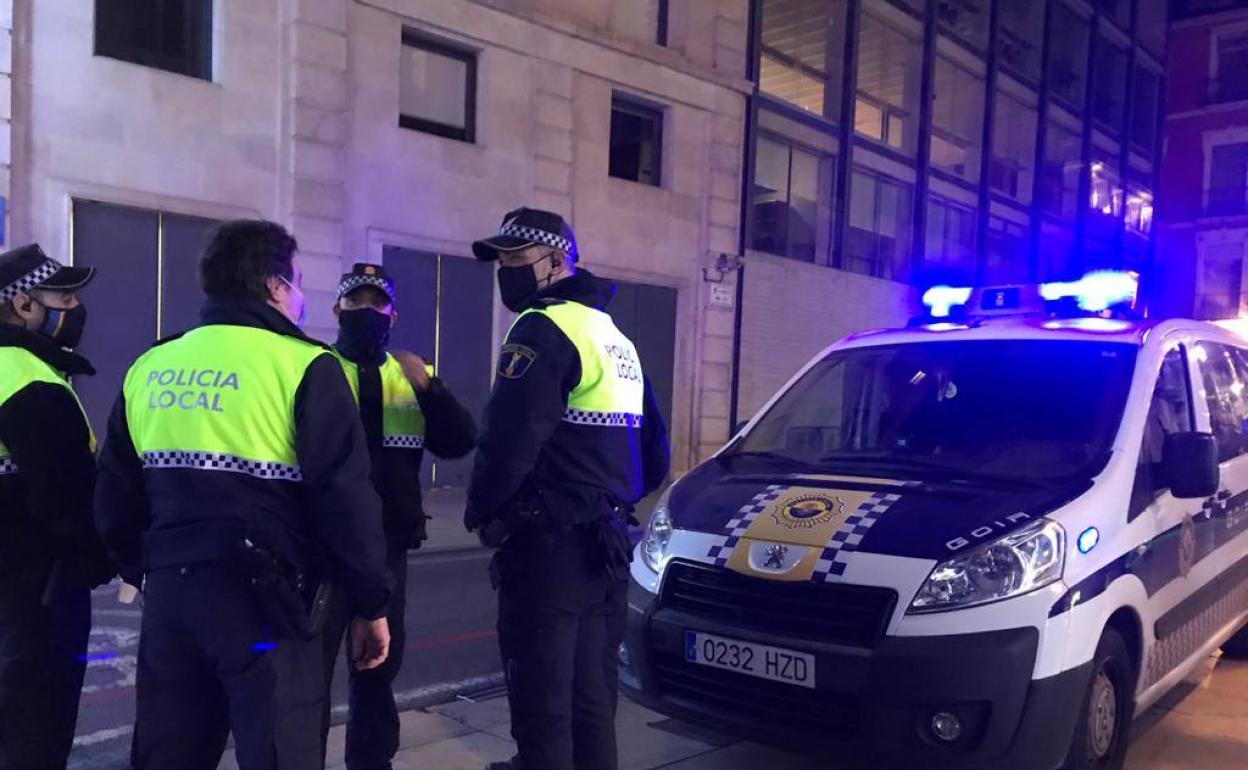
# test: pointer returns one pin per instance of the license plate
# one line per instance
(757, 660)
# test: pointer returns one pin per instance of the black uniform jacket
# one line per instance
(200, 515)
(525, 442)
(45, 510)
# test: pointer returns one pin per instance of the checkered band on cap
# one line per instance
(30, 280)
(403, 442)
(216, 461)
(537, 236)
(602, 419)
(7, 466)
(353, 282)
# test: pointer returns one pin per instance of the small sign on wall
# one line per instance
(723, 296)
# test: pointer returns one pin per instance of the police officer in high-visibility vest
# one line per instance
(50, 557)
(571, 440)
(234, 462)
(405, 410)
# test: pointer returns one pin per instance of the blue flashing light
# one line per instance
(1088, 539)
(264, 646)
(1107, 325)
(941, 300)
(92, 657)
(1096, 291)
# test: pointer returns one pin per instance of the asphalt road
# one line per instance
(451, 647)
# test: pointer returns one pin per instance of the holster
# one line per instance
(293, 603)
(617, 548)
(525, 510)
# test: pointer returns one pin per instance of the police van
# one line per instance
(987, 540)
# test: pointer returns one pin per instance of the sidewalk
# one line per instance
(1202, 725)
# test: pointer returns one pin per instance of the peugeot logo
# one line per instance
(776, 553)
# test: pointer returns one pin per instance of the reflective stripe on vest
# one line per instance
(611, 391)
(402, 421)
(19, 368)
(219, 398)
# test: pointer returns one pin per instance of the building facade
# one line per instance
(1203, 226)
(396, 131)
(897, 144)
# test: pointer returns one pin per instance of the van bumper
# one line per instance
(871, 708)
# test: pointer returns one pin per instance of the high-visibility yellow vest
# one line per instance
(611, 391)
(19, 368)
(402, 421)
(219, 398)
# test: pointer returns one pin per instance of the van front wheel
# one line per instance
(1100, 741)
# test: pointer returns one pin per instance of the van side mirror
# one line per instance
(1190, 463)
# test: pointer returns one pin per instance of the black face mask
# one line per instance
(64, 327)
(518, 285)
(363, 335)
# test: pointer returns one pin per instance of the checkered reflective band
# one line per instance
(356, 281)
(536, 236)
(215, 461)
(7, 466)
(403, 442)
(845, 540)
(29, 281)
(602, 419)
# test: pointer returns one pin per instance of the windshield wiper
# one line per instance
(903, 461)
(775, 457)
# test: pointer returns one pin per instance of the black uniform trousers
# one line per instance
(208, 667)
(42, 663)
(561, 619)
(373, 716)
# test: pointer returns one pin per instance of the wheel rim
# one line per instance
(1103, 715)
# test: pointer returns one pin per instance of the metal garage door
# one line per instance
(147, 287)
(445, 307)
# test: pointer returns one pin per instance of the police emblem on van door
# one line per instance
(808, 511)
(1187, 545)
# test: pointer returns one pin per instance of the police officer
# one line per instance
(405, 409)
(571, 439)
(234, 459)
(50, 558)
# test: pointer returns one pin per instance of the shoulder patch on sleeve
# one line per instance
(515, 361)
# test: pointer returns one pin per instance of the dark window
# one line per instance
(950, 240)
(957, 120)
(1145, 90)
(889, 75)
(1110, 86)
(877, 241)
(1068, 56)
(437, 88)
(664, 12)
(1228, 179)
(790, 219)
(967, 19)
(1221, 281)
(636, 141)
(1151, 25)
(1229, 84)
(1170, 413)
(173, 35)
(1021, 30)
(1007, 252)
(1059, 176)
(1118, 10)
(801, 57)
(1220, 369)
(1013, 161)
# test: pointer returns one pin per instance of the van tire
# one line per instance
(1236, 647)
(1104, 726)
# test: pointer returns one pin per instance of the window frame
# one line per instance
(638, 108)
(468, 133)
(1185, 362)
(192, 64)
(897, 269)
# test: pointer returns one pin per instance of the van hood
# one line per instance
(830, 517)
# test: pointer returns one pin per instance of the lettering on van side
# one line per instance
(980, 534)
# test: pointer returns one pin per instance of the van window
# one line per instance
(1027, 409)
(1224, 391)
(1170, 413)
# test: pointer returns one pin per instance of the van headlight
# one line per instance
(1024, 561)
(658, 537)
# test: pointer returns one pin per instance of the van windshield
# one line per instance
(1027, 409)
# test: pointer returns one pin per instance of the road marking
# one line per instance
(420, 645)
(103, 736)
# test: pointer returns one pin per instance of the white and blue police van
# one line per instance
(986, 540)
